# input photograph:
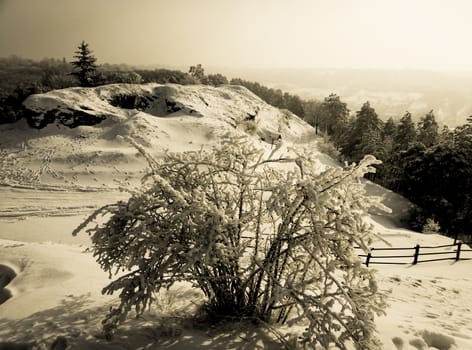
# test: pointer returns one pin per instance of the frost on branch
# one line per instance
(263, 238)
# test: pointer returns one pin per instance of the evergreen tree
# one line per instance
(428, 130)
(370, 143)
(389, 130)
(385, 153)
(85, 65)
(365, 136)
(462, 137)
(406, 133)
(447, 136)
(439, 180)
(334, 118)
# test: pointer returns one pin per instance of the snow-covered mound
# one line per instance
(76, 140)
(133, 108)
(76, 143)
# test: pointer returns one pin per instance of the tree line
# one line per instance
(429, 165)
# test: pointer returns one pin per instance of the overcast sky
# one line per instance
(411, 34)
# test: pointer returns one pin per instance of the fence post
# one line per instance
(458, 252)
(417, 253)
(367, 260)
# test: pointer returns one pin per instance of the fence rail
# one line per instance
(417, 252)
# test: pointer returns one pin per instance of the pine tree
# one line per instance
(389, 129)
(447, 136)
(385, 153)
(439, 180)
(462, 137)
(428, 128)
(365, 136)
(406, 133)
(85, 64)
(334, 118)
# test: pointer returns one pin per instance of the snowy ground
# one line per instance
(51, 179)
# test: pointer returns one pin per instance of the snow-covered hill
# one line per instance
(143, 110)
(51, 178)
(63, 151)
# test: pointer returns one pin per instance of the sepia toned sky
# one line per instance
(386, 34)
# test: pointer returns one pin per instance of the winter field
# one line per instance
(52, 179)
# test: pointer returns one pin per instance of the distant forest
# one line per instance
(429, 164)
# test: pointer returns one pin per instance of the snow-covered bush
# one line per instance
(264, 238)
(431, 226)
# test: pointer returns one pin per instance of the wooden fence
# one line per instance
(419, 254)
